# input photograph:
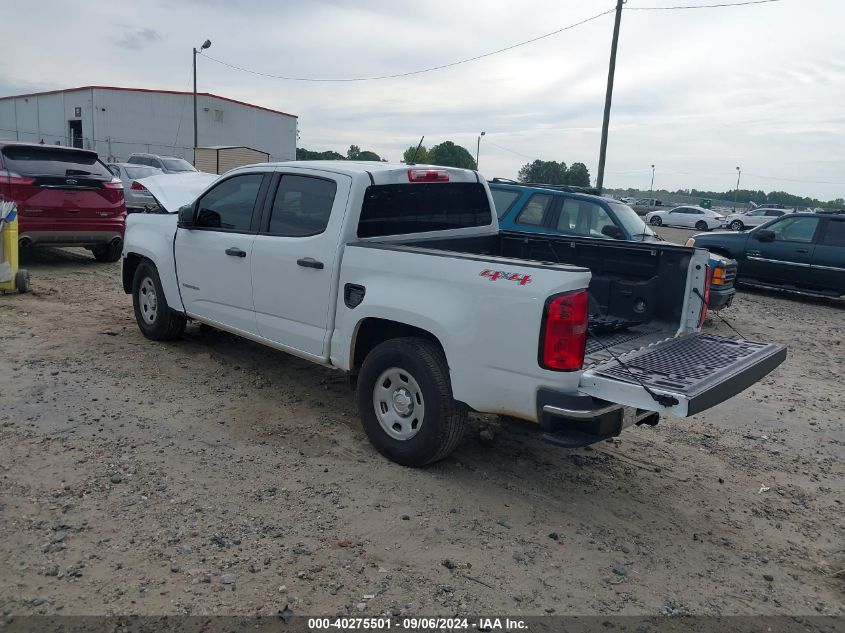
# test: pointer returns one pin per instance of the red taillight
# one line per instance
(707, 280)
(11, 178)
(137, 186)
(564, 333)
(114, 183)
(428, 175)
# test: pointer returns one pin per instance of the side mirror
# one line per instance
(186, 217)
(764, 235)
(612, 230)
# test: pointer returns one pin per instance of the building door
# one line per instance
(75, 128)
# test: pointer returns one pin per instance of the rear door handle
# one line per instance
(310, 262)
(801, 250)
(235, 252)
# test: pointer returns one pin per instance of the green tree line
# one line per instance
(550, 172)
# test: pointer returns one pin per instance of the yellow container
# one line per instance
(19, 279)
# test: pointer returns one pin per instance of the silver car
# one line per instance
(137, 199)
(755, 217)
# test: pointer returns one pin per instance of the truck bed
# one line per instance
(636, 292)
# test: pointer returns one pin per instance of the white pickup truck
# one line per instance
(399, 276)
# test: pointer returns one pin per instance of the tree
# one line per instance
(544, 171)
(307, 154)
(578, 175)
(447, 154)
(411, 155)
(355, 153)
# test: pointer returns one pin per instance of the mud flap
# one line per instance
(697, 371)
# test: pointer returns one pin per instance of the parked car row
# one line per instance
(67, 196)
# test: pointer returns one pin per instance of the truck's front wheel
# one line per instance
(405, 402)
(155, 318)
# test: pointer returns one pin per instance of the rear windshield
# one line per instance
(142, 172)
(177, 164)
(421, 207)
(38, 161)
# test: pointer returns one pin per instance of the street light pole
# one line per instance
(606, 122)
(205, 44)
(652, 180)
(736, 191)
(478, 149)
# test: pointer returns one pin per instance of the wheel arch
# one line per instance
(131, 261)
(372, 331)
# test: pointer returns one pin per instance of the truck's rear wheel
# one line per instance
(155, 318)
(405, 402)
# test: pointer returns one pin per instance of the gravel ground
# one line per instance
(214, 476)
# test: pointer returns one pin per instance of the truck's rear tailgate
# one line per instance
(690, 374)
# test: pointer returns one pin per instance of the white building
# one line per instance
(115, 122)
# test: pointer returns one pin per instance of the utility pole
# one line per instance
(736, 191)
(205, 44)
(652, 180)
(609, 96)
(478, 150)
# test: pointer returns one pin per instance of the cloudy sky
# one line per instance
(698, 92)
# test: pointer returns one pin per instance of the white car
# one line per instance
(755, 217)
(398, 276)
(691, 217)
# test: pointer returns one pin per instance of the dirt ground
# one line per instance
(214, 476)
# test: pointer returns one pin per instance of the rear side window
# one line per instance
(834, 233)
(302, 206)
(503, 200)
(230, 204)
(535, 211)
(421, 207)
(45, 161)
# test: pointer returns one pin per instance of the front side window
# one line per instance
(834, 233)
(679, 210)
(230, 204)
(535, 211)
(583, 218)
(795, 229)
(503, 199)
(302, 206)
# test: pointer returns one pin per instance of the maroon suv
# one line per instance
(65, 197)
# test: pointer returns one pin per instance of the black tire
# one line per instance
(737, 225)
(443, 419)
(701, 225)
(108, 253)
(656, 221)
(155, 318)
(22, 281)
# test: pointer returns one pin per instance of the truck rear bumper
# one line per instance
(573, 420)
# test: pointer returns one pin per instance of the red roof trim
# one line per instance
(170, 92)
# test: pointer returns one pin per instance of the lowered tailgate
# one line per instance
(687, 374)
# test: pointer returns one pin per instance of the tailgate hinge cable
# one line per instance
(661, 399)
(716, 312)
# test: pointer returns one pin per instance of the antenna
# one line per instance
(416, 151)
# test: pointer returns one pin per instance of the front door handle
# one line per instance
(235, 252)
(801, 250)
(310, 262)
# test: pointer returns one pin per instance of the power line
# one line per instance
(412, 72)
(701, 6)
(489, 142)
